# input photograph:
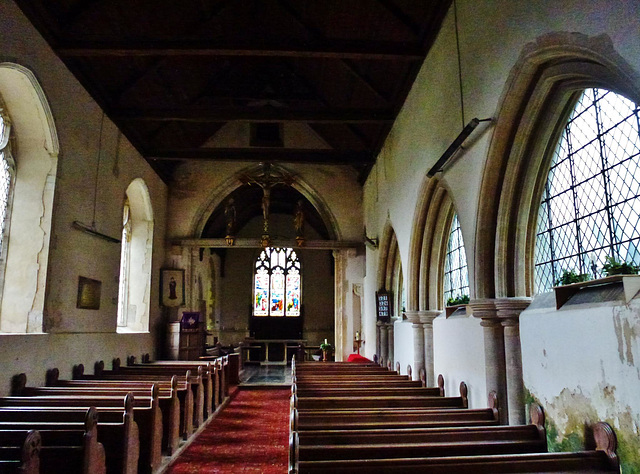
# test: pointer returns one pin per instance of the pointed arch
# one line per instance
(221, 193)
(432, 222)
(135, 265)
(35, 147)
(537, 98)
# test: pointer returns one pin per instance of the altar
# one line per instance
(270, 351)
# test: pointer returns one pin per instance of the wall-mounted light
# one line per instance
(453, 148)
(230, 240)
(373, 243)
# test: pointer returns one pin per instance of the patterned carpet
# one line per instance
(250, 435)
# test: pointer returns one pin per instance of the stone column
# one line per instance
(418, 343)
(495, 371)
(509, 310)
(426, 318)
(384, 341)
(391, 345)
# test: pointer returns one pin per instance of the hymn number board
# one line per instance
(383, 305)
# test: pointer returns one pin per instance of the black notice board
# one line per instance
(383, 305)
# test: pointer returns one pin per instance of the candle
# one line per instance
(325, 341)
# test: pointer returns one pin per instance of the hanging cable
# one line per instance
(455, 21)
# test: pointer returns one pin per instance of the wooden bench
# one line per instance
(602, 459)
(211, 379)
(74, 446)
(361, 419)
(312, 445)
(185, 395)
(20, 452)
(150, 372)
(379, 402)
(144, 436)
(168, 399)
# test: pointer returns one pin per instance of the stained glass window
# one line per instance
(456, 275)
(6, 177)
(590, 205)
(277, 288)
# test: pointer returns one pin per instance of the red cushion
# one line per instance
(357, 358)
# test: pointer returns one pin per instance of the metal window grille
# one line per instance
(456, 276)
(590, 206)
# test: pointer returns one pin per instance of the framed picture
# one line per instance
(172, 287)
(88, 293)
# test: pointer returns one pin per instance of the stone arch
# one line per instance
(35, 151)
(432, 221)
(537, 98)
(137, 273)
(221, 192)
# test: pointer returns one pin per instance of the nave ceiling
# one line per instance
(284, 81)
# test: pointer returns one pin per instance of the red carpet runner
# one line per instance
(250, 435)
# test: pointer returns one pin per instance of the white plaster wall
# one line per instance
(583, 363)
(459, 356)
(90, 335)
(403, 352)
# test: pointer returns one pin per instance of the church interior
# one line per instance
(450, 185)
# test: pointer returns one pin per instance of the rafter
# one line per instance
(281, 155)
(360, 50)
(255, 114)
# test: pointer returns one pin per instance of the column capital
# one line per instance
(427, 316)
(484, 308)
(510, 308)
(413, 316)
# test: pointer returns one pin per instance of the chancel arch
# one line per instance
(33, 146)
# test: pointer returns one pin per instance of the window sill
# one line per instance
(457, 310)
(122, 330)
(629, 285)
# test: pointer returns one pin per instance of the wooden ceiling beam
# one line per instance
(254, 114)
(280, 155)
(360, 50)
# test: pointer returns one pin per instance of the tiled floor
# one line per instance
(266, 375)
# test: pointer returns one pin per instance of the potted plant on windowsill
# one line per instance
(620, 273)
(454, 303)
(326, 349)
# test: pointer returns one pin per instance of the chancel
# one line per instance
(374, 215)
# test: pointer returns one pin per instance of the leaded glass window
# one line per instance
(590, 207)
(6, 178)
(277, 283)
(456, 275)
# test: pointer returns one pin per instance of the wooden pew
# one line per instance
(312, 445)
(211, 374)
(151, 372)
(168, 400)
(20, 452)
(185, 395)
(602, 459)
(72, 445)
(380, 402)
(144, 437)
(362, 419)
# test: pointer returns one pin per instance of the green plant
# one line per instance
(325, 346)
(614, 267)
(463, 299)
(570, 276)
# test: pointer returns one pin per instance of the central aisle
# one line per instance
(251, 434)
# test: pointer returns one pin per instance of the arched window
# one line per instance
(134, 288)
(456, 275)
(277, 288)
(590, 208)
(123, 300)
(7, 173)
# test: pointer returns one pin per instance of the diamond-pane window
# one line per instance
(277, 284)
(456, 276)
(590, 206)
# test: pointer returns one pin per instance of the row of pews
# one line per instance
(130, 419)
(363, 418)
